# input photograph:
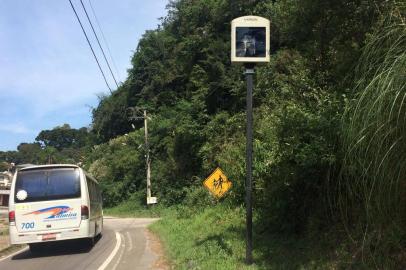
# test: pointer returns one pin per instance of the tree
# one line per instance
(63, 137)
(29, 152)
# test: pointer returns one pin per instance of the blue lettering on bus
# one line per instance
(27, 225)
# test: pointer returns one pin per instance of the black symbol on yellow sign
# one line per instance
(217, 183)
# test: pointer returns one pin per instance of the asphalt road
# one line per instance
(124, 245)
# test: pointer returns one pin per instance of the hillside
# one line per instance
(329, 119)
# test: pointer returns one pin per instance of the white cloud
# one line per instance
(16, 128)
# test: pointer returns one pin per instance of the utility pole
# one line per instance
(148, 161)
(134, 114)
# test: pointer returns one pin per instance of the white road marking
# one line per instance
(113, 253)
(131, 242)
(121, 255)
(14, 253)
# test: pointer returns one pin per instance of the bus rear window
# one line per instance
(47, 184)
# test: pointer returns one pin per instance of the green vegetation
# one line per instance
(372, 189)
(206, 239)
(61, 144)
(135, 207)
(213, 238)
(329, 118)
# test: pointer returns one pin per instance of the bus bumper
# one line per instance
(82, 231)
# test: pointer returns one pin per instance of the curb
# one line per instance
(13, 251)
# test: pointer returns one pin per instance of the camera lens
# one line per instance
(250, 42)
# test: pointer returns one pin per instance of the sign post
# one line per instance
(249, 73)
(249, 45)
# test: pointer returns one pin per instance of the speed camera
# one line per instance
(250, 39)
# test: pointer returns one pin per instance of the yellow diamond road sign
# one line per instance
(217, 183)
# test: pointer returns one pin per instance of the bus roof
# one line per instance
(34, 167)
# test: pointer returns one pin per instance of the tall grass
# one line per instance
(373, 183)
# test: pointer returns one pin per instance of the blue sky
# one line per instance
(48, 75)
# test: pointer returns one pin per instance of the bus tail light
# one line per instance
(12, 218)
(84, 212)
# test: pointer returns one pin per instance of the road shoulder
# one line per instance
(11, 250)
(155, 246)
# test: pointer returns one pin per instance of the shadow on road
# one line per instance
(58, 248)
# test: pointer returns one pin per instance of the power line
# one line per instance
(98, 42)
(91, 48)
(105, 41)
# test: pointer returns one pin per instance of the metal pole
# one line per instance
(147, 155)
(249, 72)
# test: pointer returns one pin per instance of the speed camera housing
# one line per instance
(250, 39)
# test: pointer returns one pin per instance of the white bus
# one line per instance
(53, 203)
